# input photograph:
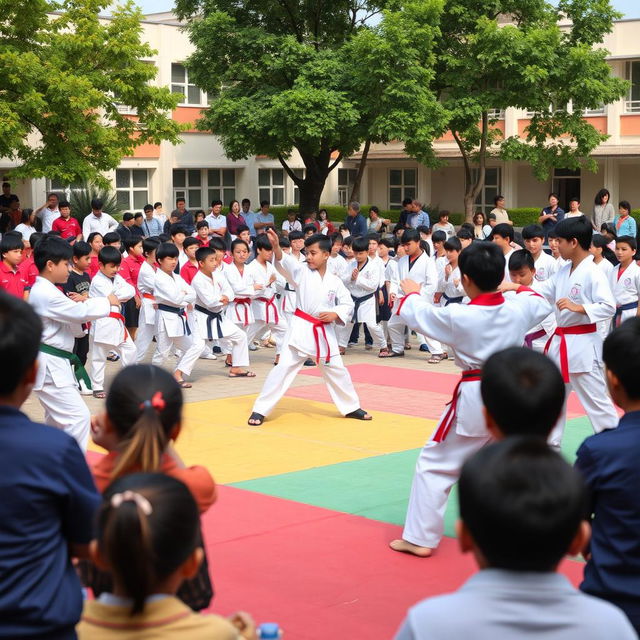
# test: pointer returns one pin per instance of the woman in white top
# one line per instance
(499, 211)
(603, 210)
(27, 222)
(375, 222)
(481, 229)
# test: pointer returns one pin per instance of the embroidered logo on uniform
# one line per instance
(540, 274)
(575, 292)
(627, 282)
(331, 297)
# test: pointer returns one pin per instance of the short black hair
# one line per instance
(81, 249)
(410, 235)
(453, 244)
(11, 242)
(373, 236)
(131, 242)
(522, 504)
(63, 204)
(93, 235)
(621, 355)
(137, 215)
(296, 235)
(245, 201)
(360, 244)
(163, 237)
(630, 240)
(497, 198)
(147, 207)
(97, 204)
(579, 228)
(180, 199)
(443, 214)
(177, 228)
(285, 243)
(263, 243)
(407, 201)
(109, 255)
(390, 243)
(324, 244)
(309, 227)
(532, 231)
(422, 228)
(523, 391)
(149, 245)
(521, 259)
(202, 224)
(483, 263)
(111, 237)
(218, 244)
(503, 230)
(51, 249)
(126, 216)
(624, 204)
(157, 204)
(336, 236)
(35, 237)
(190, 241)
(20, 334)
(464, 234)
(167, 250)
(263, 203)
(241, 228)
(215, 203)
(203, 253)
(438, 236)
(236, 243)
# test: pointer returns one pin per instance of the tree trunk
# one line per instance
(310, 192)
(355, 191)
(469, 201)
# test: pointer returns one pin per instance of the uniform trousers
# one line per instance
(98, 356)
(260, 327)
(190, 349)
(144, 337)
(396, 329)
(334, 374)
(377, 334)
(235, 343)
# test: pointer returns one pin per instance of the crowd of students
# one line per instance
(466, 298)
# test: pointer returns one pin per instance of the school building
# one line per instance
(199, 171)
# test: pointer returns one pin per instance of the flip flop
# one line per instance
(99, 395)
(392, 354)
(245, 374)
(228, 364)
(437, 359)
(359, 414)
(258, 417)
(184, 384)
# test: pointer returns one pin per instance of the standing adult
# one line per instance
(501, 214)
(249, 216)
(6, 197)
(625, 225)
(97, 220)
(355, 222)
(158, 212)
(405, 214)
(264, 218)
(603, 211)
(124, 228)
(48, 212)
(184, 216)
(151, 225)
(550, 215)
(136, 229)
(235, 219)
(418, 217)
(216, 221)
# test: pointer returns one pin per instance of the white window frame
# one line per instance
(63, 190)
(183, 88)
(227, 192)
(184, 192)
(345, 187)
(405, 187)
(496, 114)
(483, 203)
(268, 191)
(630, 105)
(131, 190)
(300, 173)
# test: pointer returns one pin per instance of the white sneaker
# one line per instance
(84, 390)
(209, 356)
(253, 347)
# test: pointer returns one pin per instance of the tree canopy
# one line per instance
(63, 76)
(314, 77)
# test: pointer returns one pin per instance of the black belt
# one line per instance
(287, 287)
(358, 302)
(179, 311)
(211, 316)
(456, 300)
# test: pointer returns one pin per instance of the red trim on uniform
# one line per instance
(318, 326)
(621, 271)
(522, 289)
(561, 332)
(413, 293)
(472, 375)
(489, 299)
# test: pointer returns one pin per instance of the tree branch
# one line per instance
(483, 155)
(333, 165)
(294, 25)
(289, 171)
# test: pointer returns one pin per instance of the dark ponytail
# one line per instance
(601, 242)
(144, 404)
(148, 526)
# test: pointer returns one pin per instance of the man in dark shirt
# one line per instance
(136, 229)
(406, 214)
(356, 224)
(184, 216)
(48, 500)
(124, 228)
(6, 198)
(551, 215)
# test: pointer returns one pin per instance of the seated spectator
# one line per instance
(443, 224)
(235, 219)
(376, 224)
(149, 539)
(66, 225)
(151, 225)
(124, 228)
(609, 463)
(355, 222)
(291, 223)
(326, 226)
(311, 218)
(136, 228)
(480, 230)
(501, 214)
(48, 497)
(521, 511)
(262, 220)
(624, 224)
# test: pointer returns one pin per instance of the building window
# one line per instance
(496, 114)
(346, 180)
(132, 189)
(221, 185)
(632, 103)
(63, 190)
(598, 111)
(402, 184)
(300, 173)
(180, 84)
(271, 184)
(486, 197)
(187, 184)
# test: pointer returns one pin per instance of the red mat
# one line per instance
(418, 380)
(319, 573)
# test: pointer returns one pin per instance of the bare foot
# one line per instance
(407, 547)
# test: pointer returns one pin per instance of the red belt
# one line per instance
(269, 304)
(119, 316)
(318, 326)
(245, 302)
(148, 296)
(472, 375)
(561, 332)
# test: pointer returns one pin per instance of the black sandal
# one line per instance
(359, 414)
(258, 417)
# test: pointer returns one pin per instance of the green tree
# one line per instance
(314, 77)
(60, 75)
(495, 54)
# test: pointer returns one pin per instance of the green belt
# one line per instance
(78, 369)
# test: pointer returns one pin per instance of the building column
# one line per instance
(612, 178)
(424, 185)
(510, 184)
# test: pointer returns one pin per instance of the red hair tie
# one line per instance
(157, 402)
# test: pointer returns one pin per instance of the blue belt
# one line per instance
(358, 302)
(456, 300)
(179, 311)
(211, 316)
(620, 309)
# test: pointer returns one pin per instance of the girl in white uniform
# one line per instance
(625, 281)
(604, 258)
(240, 277)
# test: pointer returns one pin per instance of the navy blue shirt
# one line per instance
(549, 224)
(357, 225)
(610, 463)
(47, 501)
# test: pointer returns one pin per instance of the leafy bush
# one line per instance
(81, 201)
(524, 215)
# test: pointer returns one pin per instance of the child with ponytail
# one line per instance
(148, 539)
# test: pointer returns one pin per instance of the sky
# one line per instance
(631, 8)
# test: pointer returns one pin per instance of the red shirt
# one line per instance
(68, 228)
(94, 266)
(12, 282)
(188, 272)
(201, 242)
(130, 269)
(29, 271)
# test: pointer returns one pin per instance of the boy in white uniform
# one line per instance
(417, 265)
(545, 265)
(62, 318)
(322, 301)
(213, 294)
(625, 281)
(503, 236)
(363, 285)
(582, 297)
(461, 430)
(336, 264)
(173, 298)
(146, 278)
(109, 334)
